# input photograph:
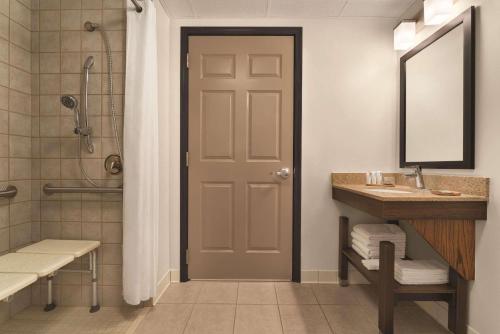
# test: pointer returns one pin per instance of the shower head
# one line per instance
(69, 101)
(89, 26)
(89, 63)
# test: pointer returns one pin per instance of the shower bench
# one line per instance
(44, 259)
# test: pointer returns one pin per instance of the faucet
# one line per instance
(417, 174)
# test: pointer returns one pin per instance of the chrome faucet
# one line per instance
(417, 174)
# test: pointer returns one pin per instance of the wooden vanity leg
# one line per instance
(457, 306)
(386, 288)
(343, 244)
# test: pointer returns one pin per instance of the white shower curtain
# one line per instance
(141, 157)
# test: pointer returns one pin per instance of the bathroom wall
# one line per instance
(349, 112)
(15, 132)
(60, 47)
(484, 292)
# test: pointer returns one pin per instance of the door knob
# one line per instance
(284, 173)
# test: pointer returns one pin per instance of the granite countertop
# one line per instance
(414, 195)
(473, 188)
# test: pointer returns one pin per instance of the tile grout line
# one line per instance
(279, 308)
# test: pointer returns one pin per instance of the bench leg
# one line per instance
(343, 244)
(50, 299)
(386, 288)
(93, 263)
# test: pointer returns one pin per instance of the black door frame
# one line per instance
(296, 32)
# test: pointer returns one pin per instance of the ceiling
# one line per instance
(288, 8)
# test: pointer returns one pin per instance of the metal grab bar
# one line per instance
(138, 8)
(9, 192)
(49, 190)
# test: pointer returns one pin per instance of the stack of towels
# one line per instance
(420, 272)
(366, 239)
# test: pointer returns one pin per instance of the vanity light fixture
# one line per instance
(404, 35)
(437, 12)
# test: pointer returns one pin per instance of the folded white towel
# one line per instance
(372, 264)
(406, 281)
(363, 254)
(420, 272)
(375, 251)
(420, 266)
(376, 231)
(397, 240)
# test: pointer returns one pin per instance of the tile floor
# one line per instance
(231, 307)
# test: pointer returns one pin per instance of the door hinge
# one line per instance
(187, 159)
(187, 60)
(187, 256)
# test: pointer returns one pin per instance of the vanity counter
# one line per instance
(404, 194)
(447, 223)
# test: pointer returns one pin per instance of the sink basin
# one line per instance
(389, 191)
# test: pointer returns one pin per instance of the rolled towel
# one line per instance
(377, 231)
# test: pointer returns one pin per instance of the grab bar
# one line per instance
(138, 7)
(9, 192)
(49, 190)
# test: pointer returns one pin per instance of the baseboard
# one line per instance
(439, 311)
(330, 277)
(162, 286)
(175, 276)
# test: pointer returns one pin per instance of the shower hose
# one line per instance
(112, 107)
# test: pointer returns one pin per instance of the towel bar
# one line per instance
(49, 190)
(9, 192)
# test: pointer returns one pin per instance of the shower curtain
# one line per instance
(141, 157)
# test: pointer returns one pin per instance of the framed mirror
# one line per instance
(437, 98)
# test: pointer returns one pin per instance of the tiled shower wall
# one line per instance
(15, 133)
(60, 47)
(42, 50)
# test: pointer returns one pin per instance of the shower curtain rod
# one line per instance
(138, 7)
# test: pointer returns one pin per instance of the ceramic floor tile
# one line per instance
(257, 319)
(218, 293)
(165, 319)
(349, 319)
(256, 293)
(211, 319)
(186, 293)
(414, 320)
(293, 293)
(301, 319)
(335, 294)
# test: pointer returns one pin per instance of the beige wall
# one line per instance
(484, 291)
(15, 133)
(349, 119)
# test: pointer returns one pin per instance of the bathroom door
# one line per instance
(240, 147)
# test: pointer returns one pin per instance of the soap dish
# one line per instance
(446, 192)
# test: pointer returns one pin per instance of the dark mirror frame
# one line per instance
(468, 21)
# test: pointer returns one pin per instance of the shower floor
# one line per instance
(232, 307)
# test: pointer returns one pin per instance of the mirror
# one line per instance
(437, 98)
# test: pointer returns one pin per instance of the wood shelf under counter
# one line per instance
(390, 292)
(402, 292)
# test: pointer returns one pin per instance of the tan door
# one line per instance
(240, 134)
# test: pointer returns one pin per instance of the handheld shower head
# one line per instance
(88, 63)
(69, 101)
(89, 26)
